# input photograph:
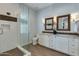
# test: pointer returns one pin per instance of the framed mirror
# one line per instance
(49, 23)
(63, 22)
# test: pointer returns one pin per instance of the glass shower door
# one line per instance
(24, 36)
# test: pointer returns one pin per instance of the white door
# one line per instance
(8, 38)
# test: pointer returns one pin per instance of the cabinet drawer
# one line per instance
(73, 49)
(74, 40)
(75, 45)
(73, 52)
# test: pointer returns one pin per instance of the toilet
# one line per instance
(35, 40)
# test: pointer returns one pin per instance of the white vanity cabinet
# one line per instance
(68, 44)
(44, 40)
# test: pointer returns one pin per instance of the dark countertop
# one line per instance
(62, 32)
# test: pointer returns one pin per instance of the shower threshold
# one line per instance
(26, 52)
(18, 51)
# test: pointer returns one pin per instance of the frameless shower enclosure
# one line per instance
(23, 22)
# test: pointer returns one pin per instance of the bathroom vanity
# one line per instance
(66, 40)
(67, 43)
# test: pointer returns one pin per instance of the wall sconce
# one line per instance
(43, 21)
(74, 16)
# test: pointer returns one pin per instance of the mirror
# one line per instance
(49, 23)
(63, 22)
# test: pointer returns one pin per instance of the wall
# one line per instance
(55, 10)
(9, 7)
(32, 24)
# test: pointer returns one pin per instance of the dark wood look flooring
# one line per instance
(13, 52)
(38, 50)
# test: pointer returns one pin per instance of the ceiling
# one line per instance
(38, 6)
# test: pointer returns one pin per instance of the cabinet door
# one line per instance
(61, 44)
(73, 47)
(40, 41)
(51, 43)
(44, 40)
(54, 43)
